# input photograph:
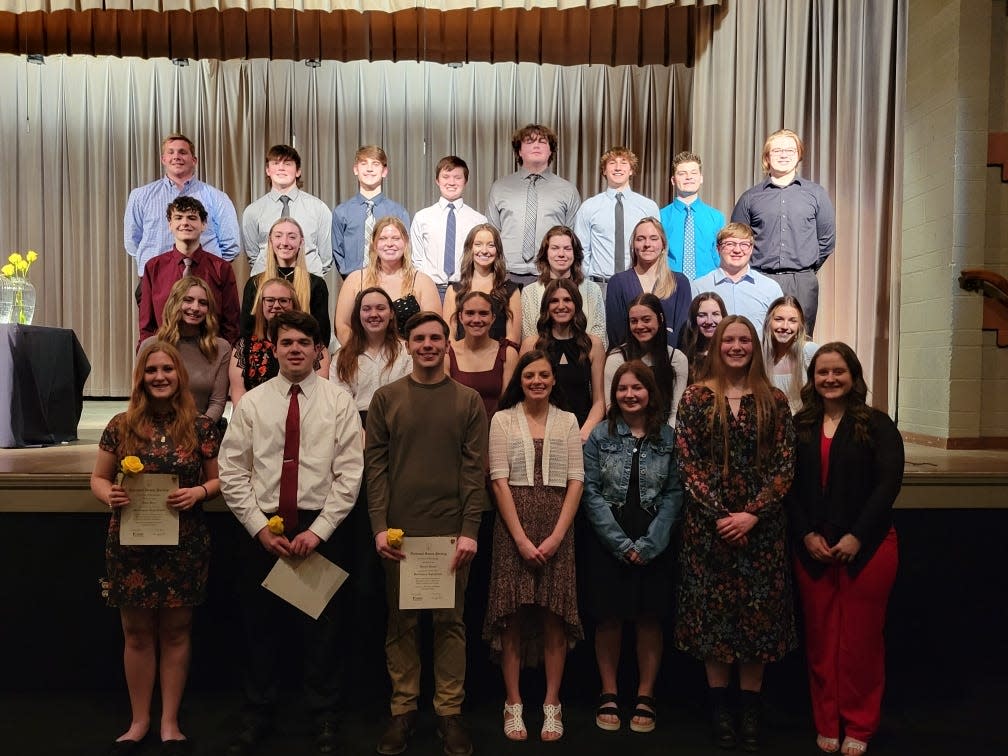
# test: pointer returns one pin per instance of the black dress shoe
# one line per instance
(722, 720)
(325, 741)
(749, 725)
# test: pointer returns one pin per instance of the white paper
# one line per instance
(307, 584)
(425, 577)
(148, 520)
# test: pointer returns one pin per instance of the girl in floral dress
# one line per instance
(735, 443)
(156, 587)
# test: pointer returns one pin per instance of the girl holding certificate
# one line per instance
(156, 587)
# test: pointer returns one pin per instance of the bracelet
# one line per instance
(206, 494)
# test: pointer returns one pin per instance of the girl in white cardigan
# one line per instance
(537, 470)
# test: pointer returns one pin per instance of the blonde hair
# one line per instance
(172, 313)
(781, 133)
(302, 278)
(795, 350)
(665, 283)
(136, 424)
(370, 275)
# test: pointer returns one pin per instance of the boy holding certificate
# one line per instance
(291, 465)
(426, 446)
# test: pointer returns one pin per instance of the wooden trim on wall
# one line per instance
(939, 442)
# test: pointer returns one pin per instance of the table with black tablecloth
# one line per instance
(42, 376)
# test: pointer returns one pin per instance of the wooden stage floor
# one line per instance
(934, 478)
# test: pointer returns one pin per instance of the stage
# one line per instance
(56, 478)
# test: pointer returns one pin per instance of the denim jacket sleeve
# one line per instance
(668, 507)
(598, 511)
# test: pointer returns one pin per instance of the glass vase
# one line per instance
(6, 299)
(23, 309)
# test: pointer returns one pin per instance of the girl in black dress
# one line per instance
(577, 356)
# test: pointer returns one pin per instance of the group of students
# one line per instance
(649, 444)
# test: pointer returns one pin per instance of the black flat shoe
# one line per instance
(124, 747)
(326, 741)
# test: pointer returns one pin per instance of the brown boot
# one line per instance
(454, 736)
(396, 737)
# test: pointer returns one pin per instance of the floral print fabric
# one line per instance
(735, 602)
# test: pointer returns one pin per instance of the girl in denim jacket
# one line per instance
(632, 500)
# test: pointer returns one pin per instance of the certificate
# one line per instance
(425, 577)
(148, 520)
(307, 584)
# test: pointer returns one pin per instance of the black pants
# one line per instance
(282, 639)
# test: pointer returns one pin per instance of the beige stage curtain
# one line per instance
(79, 132)
(833, 71)
(86, 130)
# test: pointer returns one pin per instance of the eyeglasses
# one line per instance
(282, 301)
(783, 151)
(743, 245)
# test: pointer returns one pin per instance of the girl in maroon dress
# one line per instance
(476, 360)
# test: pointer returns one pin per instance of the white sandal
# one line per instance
(552, 724)
(513, 722)
(852, 746)
(827, 745)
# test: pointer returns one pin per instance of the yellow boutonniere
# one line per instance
(275, 525)
(394, 537)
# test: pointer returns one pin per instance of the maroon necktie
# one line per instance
(289, 471)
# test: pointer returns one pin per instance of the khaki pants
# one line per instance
(402, 649)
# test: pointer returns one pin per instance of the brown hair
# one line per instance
(449, 163)
(284, 152)
(756, 381)
(348, 354)
(534, 130)
(542, 258)
(618, 152)
(810, 416)
(137, 427)
(654, 413)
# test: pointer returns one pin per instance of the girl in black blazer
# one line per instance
(848, 472)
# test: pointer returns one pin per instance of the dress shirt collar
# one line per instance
(769, 184)
(523, 173)
(308, 385)
(376, 199)
(611, 193)
(293, 193)
(681, 206)
(443, 204)
(190, 184)
(720, 276)
(196, 256)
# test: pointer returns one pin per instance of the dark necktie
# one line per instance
(689, 246)
(285, 213)
(449, 242)
(291, 457)
(620, 249)
(529, 241)
(368, 229)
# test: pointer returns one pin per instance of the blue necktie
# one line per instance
(449, 242)
(689, 246)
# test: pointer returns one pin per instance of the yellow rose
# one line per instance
(131, 465)
(32, 255)
(275, 525)
(394, 537)
(14, 258)
(7, 270)
(22, 266)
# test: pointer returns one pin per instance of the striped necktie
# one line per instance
(449, 242)
(368, 229)
(529, 241)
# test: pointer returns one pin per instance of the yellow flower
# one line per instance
(22, 266)
(32, 255)
(7, 270)
(275, 525)
(14, 258)
(131, 465)
(394, 537)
